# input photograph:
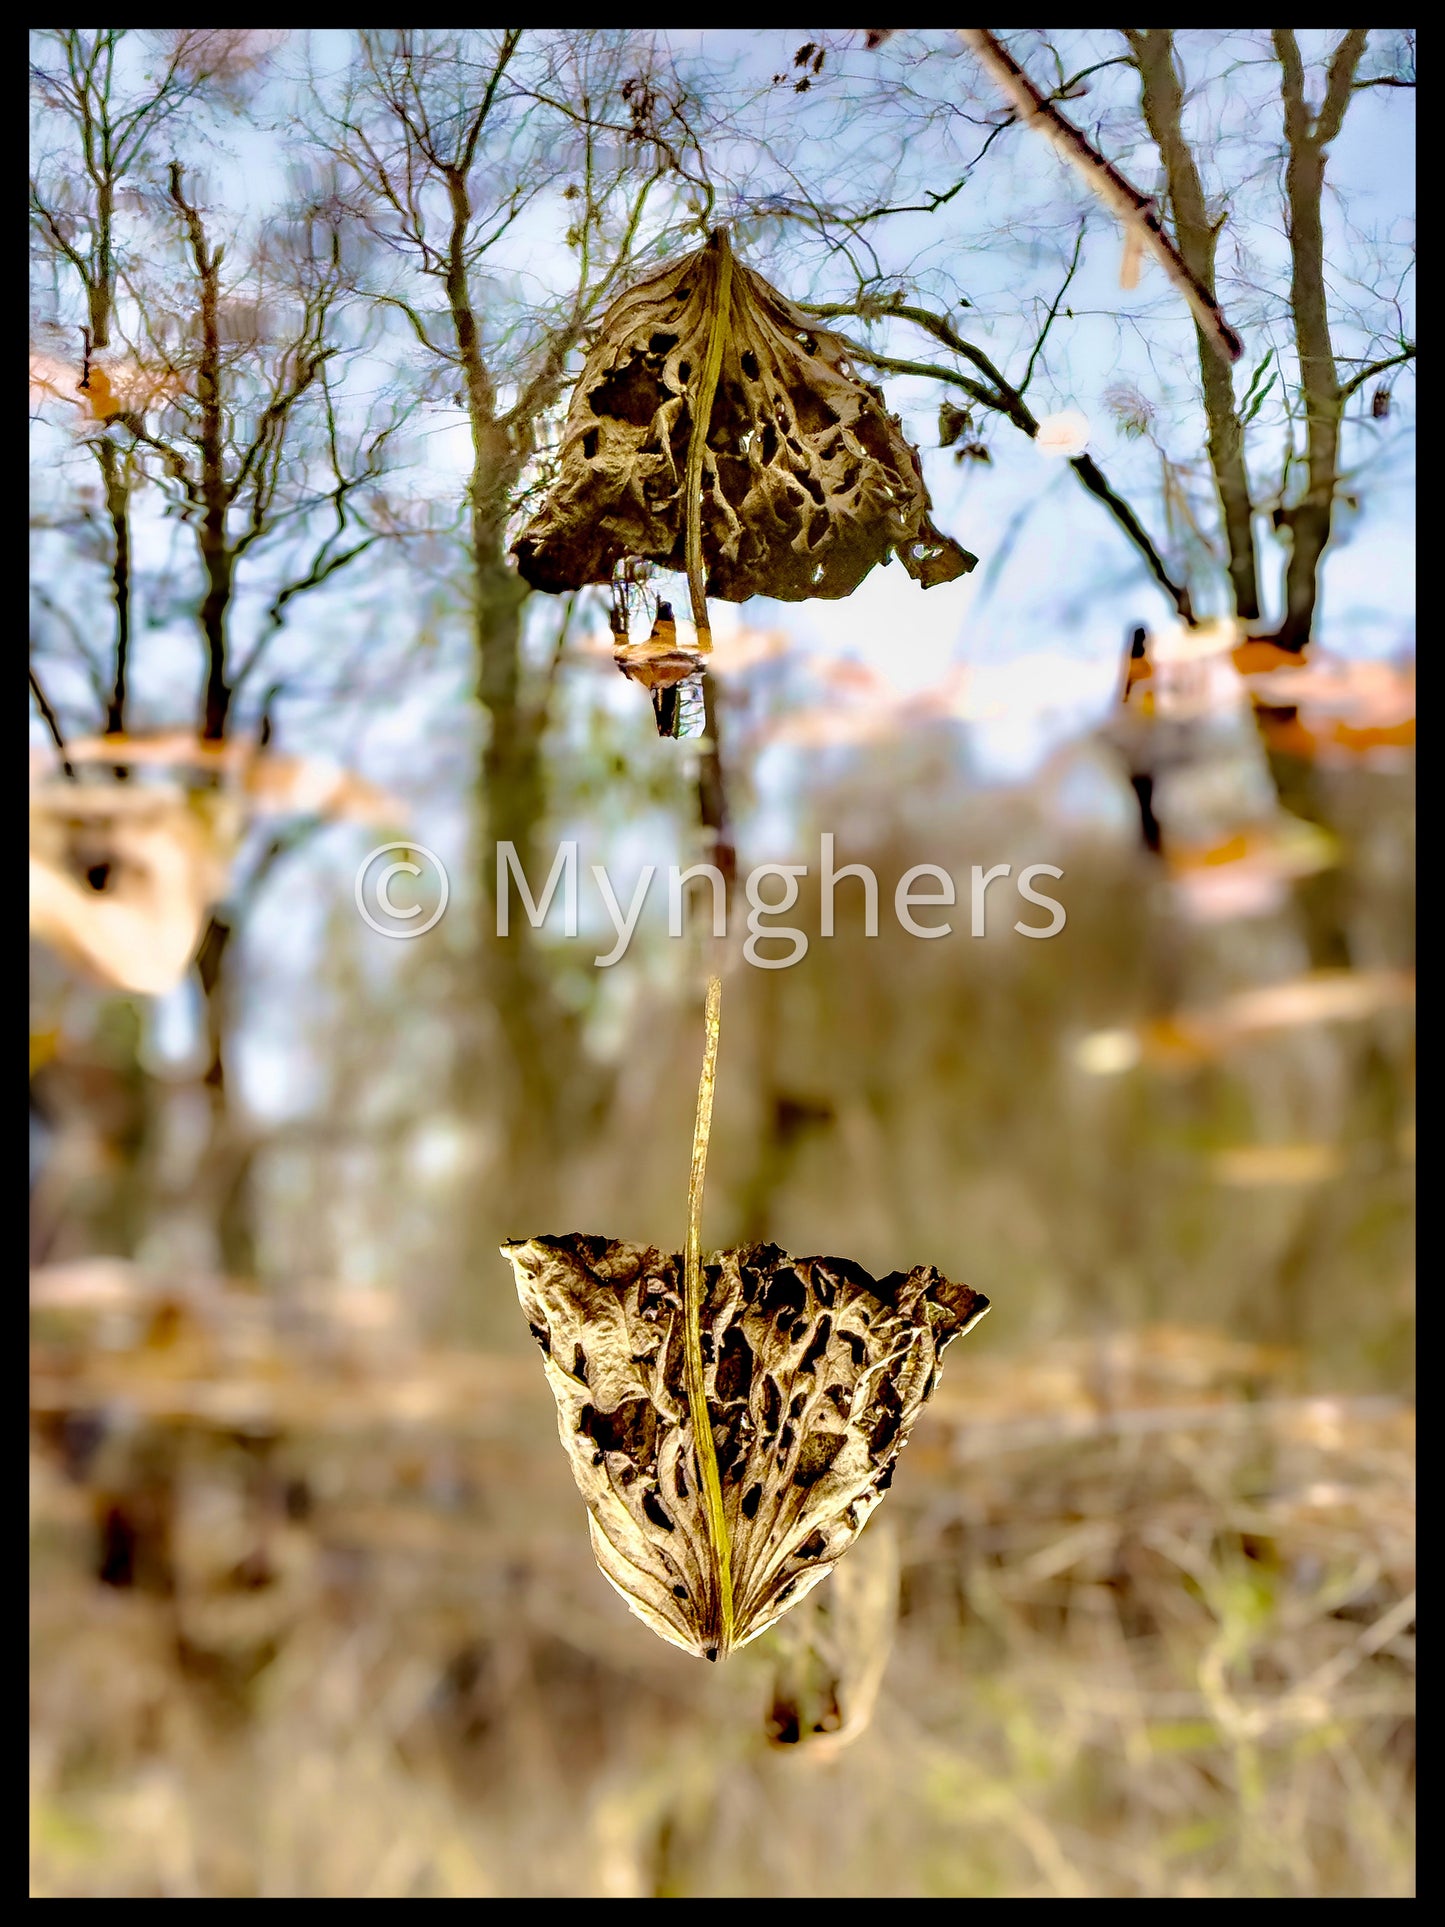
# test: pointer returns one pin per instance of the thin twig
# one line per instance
(1357, 381)
(1053, 312)
(555, 664)
(51, 723)
(709, 1480)
(1004, 399)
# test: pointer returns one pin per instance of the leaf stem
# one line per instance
(707, 1466)
(697, 443)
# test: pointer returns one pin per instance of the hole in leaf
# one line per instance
(810, 411)
(655, 1511)
(889, 1411)
(631, 394)
(772, 1405)
(818, 1346)
(632, 1429)
(734, 1368)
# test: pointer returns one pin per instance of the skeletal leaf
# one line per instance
(814, 1373)
(807, 480)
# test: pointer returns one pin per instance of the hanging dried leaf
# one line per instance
(807, 480)
(814, 1373)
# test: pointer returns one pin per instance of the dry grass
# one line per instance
(1156, 1637)
(314, 1610)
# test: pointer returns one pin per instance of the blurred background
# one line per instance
(313, 1607)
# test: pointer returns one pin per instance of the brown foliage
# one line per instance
(808, 481)
(814, 1373)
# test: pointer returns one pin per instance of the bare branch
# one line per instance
(52, 722)
(1358, 380)
(1056, 304)
(1134, 210)
(1339, 84)
(1311, 518)
(1006, 400)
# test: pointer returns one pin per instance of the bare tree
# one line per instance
(1214, 195)
(1308, 136)
(100, 123)
(449, 140)
(205, 371)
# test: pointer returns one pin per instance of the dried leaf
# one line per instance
(807, 481)
(952, 422)
(121, 878)
(814, 1374)
(103, 391)
(657, 668)
(833, 1652)
(1205, 1033)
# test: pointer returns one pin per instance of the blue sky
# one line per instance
(1040, 624)
(1042, 619)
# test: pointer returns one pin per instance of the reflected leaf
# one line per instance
(121, 878)
(834, 1650)
(808, 482)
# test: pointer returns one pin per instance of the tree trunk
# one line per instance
(1307, 137)
(117, 504)
(223, 1175)
(1162, 98)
